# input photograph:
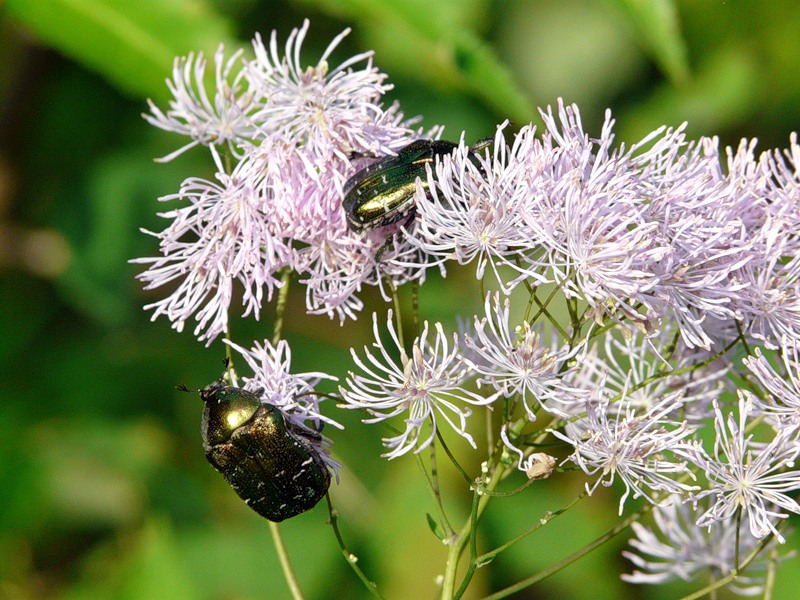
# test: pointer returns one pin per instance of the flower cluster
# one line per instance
(293, 134)
(679, 258)
(662, 283)
(658, 233)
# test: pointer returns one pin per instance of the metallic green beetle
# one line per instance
(269, 462)
(383, 192)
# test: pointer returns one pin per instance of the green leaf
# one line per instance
(656, 23)
(722, 93)
(132, 43)
(434, 526)
(438, 44)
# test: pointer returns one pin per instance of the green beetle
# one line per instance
(270, 462)
(383, 192)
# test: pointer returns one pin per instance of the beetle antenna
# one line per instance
(183, 388)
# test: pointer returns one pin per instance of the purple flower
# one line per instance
(517, 363)
(782, 402)
(769, 303)
(758, 479)
(472, 209)
(333, 271)
(783, 181)
(293, 133)
(228, 118)
(631, 445)
(703, 222)
(644, 369)
(587, 211)
(329, 110)
(427, 386)
(676, 548)
(222, 236)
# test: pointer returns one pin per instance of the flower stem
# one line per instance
(274, 529)
(473, 547)
(397, 316)
(280, 306)
(468, 531)
(542, 575)
(351, 558)
(283, 558)
(488, 557)
(734, 574)
(415, 306)
(433, 487)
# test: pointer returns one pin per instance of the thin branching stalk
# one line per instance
(351, 558)
(432, 479)
(542, 575)
(469, 529)
(488, 557)
(734, 574)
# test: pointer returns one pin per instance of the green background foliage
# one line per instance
(104, 488)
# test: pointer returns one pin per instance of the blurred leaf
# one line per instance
(578, 50)
(28, 307)
(97, 281)
(723, 92)
(96, 470)
(437, 43)
(156, 570)
(131, 42)
(142, 565)
(656, 23)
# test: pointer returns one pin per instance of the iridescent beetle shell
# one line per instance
(383, 192)
(269, 462)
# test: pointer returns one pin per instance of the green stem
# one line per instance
(275, 531)
(553, 321)
(415, 306)
(228, 353)
(488, 557)
(743, 338)
(661, 374)
(542, 308)
(283, 558)
(398, 322)
(280, 306)
(733, 575)
(543, 305)
(542, 575)
(473, 547)
(433, 484)
(452, 458)
(489, 429)
(351, 558)
(769, 583)
(739, 513)
(468, 530)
